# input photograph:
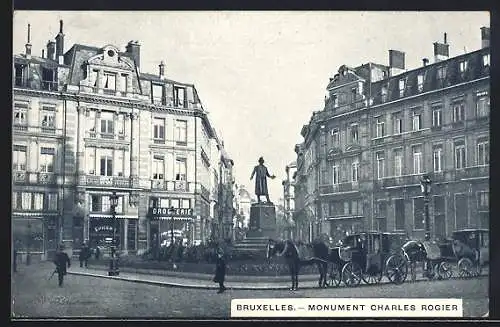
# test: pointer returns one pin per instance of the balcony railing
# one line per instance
(400, 180)
(337, 188)
(23, 177)
(472, 172)
(109, 181)
(20, 177)
(173, 186)
(20, 127)
(47, 178)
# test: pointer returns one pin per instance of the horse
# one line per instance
(289, 250)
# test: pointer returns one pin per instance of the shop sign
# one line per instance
(170, 212)
(103, 228)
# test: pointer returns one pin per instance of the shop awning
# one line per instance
(111, 216)
(175, 218)
(34, 214)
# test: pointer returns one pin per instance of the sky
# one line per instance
(259, 74)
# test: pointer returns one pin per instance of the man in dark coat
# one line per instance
(84, 255)
(61, 261)
(261, 174)
(220, 269)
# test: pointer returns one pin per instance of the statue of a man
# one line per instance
(261, 174)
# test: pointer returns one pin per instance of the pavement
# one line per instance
(33, 295)
(203, 281)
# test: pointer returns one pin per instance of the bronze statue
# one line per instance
(261, 174)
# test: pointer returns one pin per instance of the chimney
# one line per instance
(134, 48)
(43, 53)
(28, 44)
(441, 50)
(51, 50)
(425, 61)
(60, 44)
(485, 37)
(396, 62)
(162, 69)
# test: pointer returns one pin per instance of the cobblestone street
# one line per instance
(33, 295)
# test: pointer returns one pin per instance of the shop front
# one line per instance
(103, 229)
(168, 223)
(34, 235)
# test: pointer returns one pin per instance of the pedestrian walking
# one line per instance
(84, 255)
(220, 270)
(62, 262)
(97, 253)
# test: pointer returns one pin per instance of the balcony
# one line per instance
(473, 172)
(105, 181)
(20, 127)
(39, 85)
(400, 181)
(22, 177)
(339, 188)
(172, 186)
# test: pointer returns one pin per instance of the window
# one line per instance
(335, 100)
(402, 83)
(52, 199)
(107, 122)
(95, 203)
(420, 82)
(19, 158)
(181, 131)
(398, 162)
(483, 153)
(159, 129)
(123, 83)
(179, 96)
(175, 203)
(398, 123)
(158, 167)
(441, 75)
(90, 160)
(460, 155)
(463, 66)
(120, 125)
(180, 169)
(486, 60)
(106, 164)
(354, 133)
(38, 201)
(355, 171)
(186, 203)
(418, 213)
(380, 127)
(157, 93)
(110, 81)
(26, 201)
(399, 212)
(380, 164)
(483, 104)
(20, 117)
(93, 78)
(91, 121)
(48, 119)
(119, 162)
(458, 112)
(417, 160)
(417, 121)
(354, 91)
(383, 94)
(483, 200)
(437, 155)
(106, 204)
(336, 174)
(436, 117)
(47, 160)
(335, 136)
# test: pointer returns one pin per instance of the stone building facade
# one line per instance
(363, 156)
(87, 123)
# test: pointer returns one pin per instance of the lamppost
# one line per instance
(113, 267)
(425, 184)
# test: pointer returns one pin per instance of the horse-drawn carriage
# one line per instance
(468, 248)
(368, 256)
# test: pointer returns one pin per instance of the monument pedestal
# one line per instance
(262, 227)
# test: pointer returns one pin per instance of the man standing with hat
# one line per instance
(220, 269)
(61, 261)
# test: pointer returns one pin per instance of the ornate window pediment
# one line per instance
(110, 56)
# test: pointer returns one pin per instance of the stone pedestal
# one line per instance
(262, 221)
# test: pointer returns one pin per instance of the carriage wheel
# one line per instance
(370, 277)
(465, 268)
(351, 274)
(444, 270)
(334, 275)
(396, 269)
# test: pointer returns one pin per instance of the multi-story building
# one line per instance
(87, 123)
(382, 128)
(289, 200)
(243, 202)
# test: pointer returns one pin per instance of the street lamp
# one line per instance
(425, 184)
(113, 267)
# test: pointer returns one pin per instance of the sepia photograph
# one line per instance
(250, 164)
